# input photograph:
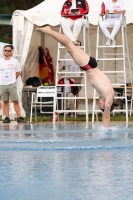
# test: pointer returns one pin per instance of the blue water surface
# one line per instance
(66, 162)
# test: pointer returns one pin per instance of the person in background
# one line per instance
(9, 72)
(68, 90)
(71, 66)
(113, 11)
(72, 11)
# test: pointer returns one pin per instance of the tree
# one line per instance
(6, 31)
(16, 4)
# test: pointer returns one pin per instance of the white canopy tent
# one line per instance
(26, 39)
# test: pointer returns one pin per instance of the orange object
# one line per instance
(46, 69)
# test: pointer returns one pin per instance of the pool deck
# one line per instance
(67, 122)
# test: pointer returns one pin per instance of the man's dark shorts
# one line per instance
(9, 92)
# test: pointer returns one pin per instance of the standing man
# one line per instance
(9, 72)
(97, 79)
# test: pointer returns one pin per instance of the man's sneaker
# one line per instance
(6, 120)
(108, 43)
(113, 43)
(21, 120)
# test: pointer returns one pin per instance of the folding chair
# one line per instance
(37, 101)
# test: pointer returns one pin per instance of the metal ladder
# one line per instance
(60, 59)
(121, 56)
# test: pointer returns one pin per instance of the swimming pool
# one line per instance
(66, 162)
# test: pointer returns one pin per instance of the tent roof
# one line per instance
(48, 12)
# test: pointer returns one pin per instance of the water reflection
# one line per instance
(74, 133)
(65, 162)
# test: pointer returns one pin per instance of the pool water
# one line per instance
(66, 162)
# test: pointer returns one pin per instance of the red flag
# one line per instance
(49, 65)
(43, 71)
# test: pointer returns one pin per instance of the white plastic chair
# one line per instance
(36, 100)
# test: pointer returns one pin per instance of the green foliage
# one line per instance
(8, 6)
(80, 118)
(6, 34)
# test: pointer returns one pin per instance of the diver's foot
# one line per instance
(76, 43)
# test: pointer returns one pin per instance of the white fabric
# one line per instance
(67, 88)
(8, 69)
(21, 24)
(68, 23)
(71, 66)
(48, 12)
(111, 6)
(109, 22)
(73, 4)
(20, 89)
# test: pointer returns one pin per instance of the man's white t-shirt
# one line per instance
(8, 69)
(71, 66)
(111, 6)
